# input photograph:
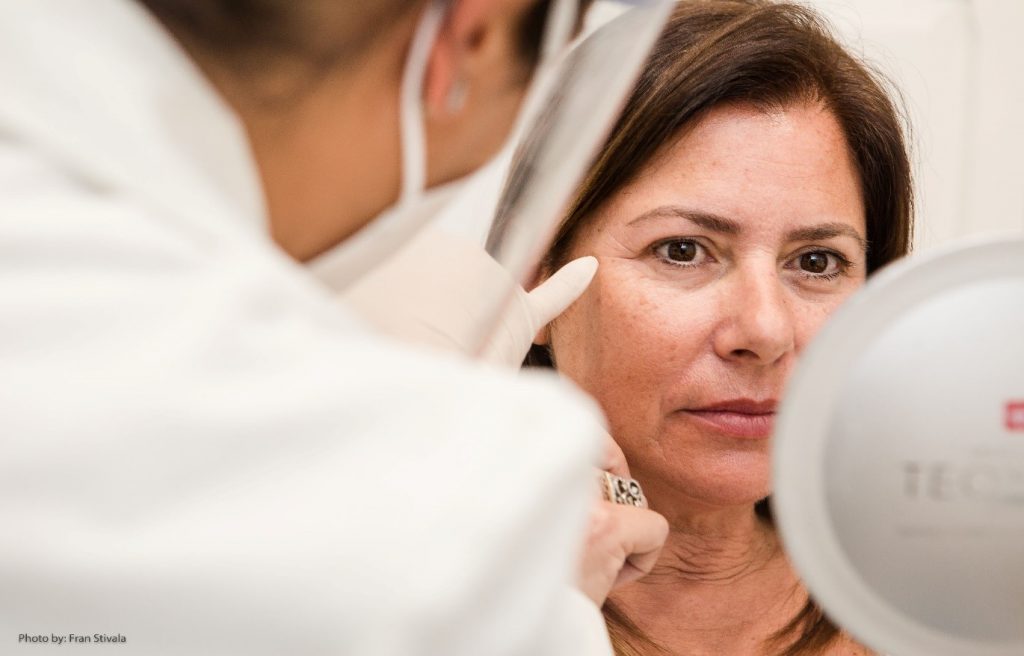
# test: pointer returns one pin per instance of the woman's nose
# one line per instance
(756, 325)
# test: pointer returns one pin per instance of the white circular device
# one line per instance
(899, 457)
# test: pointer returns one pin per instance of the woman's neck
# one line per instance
(721, 586)
(715, 545)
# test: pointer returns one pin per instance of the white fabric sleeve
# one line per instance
(577, 627)
(201, 453)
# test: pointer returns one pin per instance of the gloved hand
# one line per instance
(439, 288)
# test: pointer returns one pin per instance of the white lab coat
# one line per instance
(199, 450)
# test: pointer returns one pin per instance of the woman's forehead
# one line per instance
(743, 145)
(749, 168)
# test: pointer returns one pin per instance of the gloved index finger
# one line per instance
(558, 292)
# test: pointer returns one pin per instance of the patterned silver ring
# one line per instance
(624, 491)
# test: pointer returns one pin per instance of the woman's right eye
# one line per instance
(680, 252)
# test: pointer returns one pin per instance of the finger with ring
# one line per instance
(625, 491)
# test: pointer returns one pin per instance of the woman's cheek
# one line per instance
(631, 334)
(811, 316)
(649, 333)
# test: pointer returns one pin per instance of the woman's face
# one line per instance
(718, 264)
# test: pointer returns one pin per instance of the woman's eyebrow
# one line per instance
(720, 224)
(705, 220)
(827, 231)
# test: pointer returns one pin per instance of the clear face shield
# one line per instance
(582, 95)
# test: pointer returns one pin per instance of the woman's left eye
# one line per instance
(821, 264)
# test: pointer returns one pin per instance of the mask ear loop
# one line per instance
(411, 113)
(557, 33)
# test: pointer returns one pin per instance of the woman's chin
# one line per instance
(725, 494)
(739, 482)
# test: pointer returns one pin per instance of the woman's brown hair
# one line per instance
(769, 55)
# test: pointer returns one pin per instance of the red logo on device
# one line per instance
(1015, 415)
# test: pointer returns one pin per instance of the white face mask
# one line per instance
(416, 205)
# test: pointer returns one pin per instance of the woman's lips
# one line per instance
(738, 418)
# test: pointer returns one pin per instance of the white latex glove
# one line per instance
(437, 289)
